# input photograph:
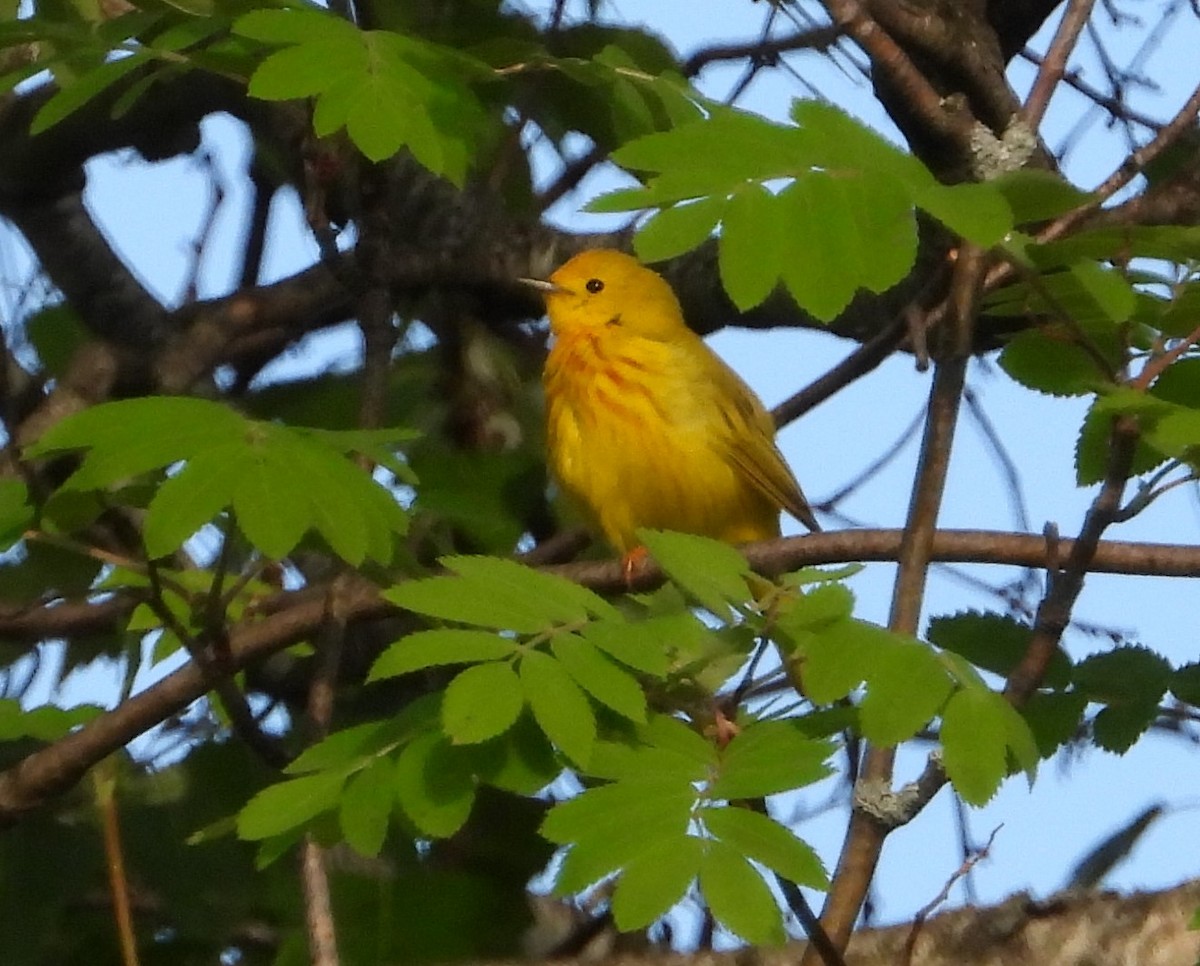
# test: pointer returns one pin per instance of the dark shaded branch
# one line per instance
(1016, 21)
(77, 257)
(60, 765)
(67, 618)
(866, 833)
(764, 51)
(293, 617)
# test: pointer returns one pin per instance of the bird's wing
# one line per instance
(747, 435)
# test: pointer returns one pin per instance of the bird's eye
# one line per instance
(594, 285)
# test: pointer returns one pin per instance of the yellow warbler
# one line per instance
(646, 426)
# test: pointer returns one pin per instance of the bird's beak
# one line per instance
(546, 288)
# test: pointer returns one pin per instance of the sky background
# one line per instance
(1078, 799)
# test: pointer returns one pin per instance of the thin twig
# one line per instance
(866, 834)
(104, 781)
(233, 701)
(191, 285)
(1054, 64)
(1130, 168)
(999, 451)
(910, 943)
(318, 908)
(766, 50)
(1155, 367)
(1054, 611)
(379, 339)
(1108, 102)
(862, 360)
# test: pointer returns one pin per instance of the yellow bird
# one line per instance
(646, 426)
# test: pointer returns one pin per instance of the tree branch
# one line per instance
(1054, 64)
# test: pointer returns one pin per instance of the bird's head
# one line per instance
(602, 289)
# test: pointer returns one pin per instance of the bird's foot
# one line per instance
(633, 563)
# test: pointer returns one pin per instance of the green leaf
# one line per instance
(750, 252)
(1124, 674)
(73, 95)
(622, 199)
(450, 599)
(191, 498)
(559, 600)
(1051, 361)
(665, 749)
(768, 757)
(15, 512)
(45, 723)
(600, 677)
(272, 512)
(434, 786)
(559, 707)
(436, 648)
(994, 642)
(1185, 683)
(1092, 449)
(712, 572)
(654, 881)
(601, 811)
(738, 896)
(1035, 195)
(288, 805)
(761, 838)
(832, 663)
(977, 211)
(132, 436)
(610, 825)
(280, 481)
(621, 825)
(1118, 726)
(819, 609)
(482, 702)
(388, 90)
(293, 26)
(499, 594)
(1054, 719)
(644, 645)
(367, 807)
(838, 140)
(354, 514)
(698, 159)
(502, 594)
(1180, 383)
(520, 761)
(1022, 742)
(974, 745)
(307, 70)
(678, 229)
(351, 747)
(821, 262)
(906, 687)
(1110, 290)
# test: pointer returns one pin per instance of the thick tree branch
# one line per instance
(110, 301)
(294, 617)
